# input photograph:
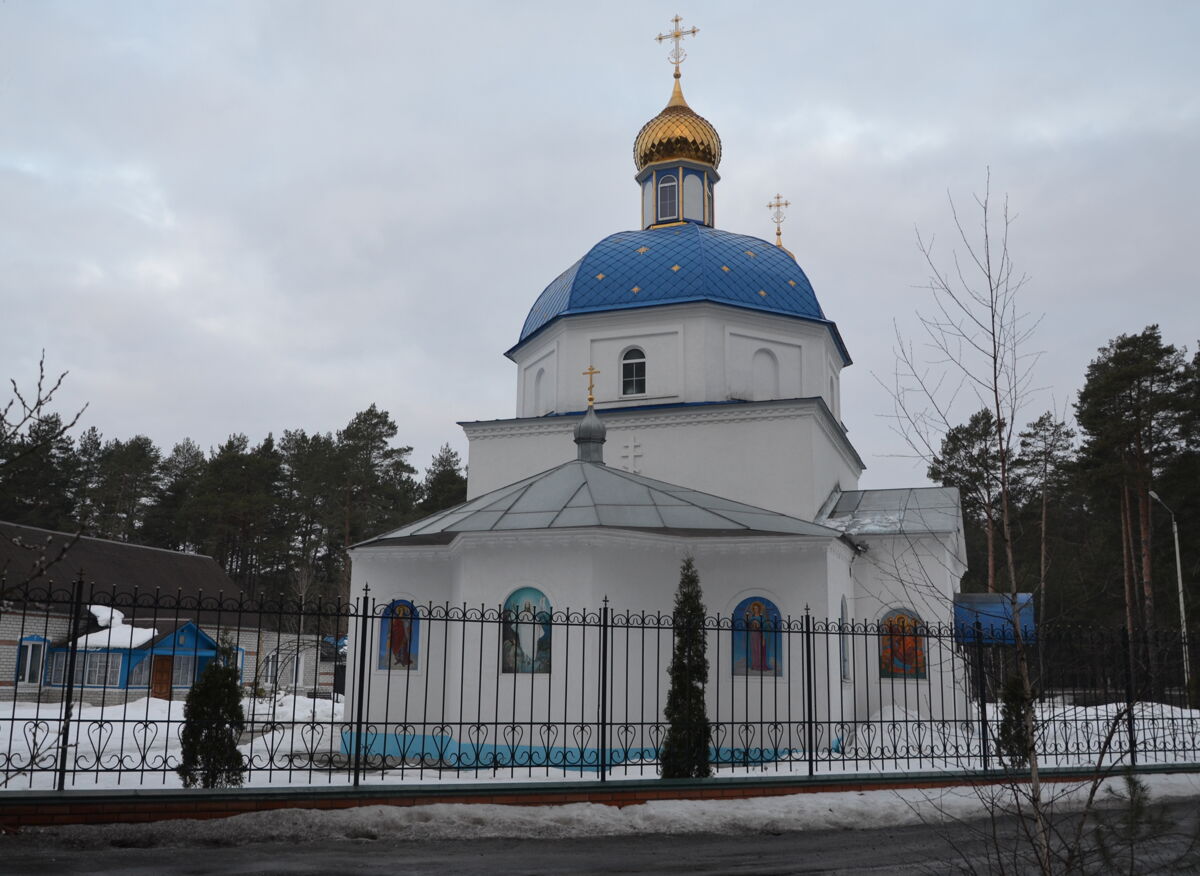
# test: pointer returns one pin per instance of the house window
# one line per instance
(270, 674)
(902, 645)
(668, 198)
(633, 372)
(269, 670)
(30, 658)
(94, 668)
(757, 638)
(525, 634)
(139, 675)
(183, 670)
(102, 670)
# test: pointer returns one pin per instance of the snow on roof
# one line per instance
(117, 633)
(891, 512)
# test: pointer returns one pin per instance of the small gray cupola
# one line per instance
(589, 437)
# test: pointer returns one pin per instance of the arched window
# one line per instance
(633, 372)
(668, 198)
(526, 632)
(399, 636)
(757, 638)
(764, 369)
(844, 641)
(902, 645)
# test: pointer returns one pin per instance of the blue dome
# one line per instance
(677, 264)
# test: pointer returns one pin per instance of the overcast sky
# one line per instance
(253, 216)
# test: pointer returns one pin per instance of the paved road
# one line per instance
(907, 850)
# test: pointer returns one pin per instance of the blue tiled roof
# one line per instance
(677, 264)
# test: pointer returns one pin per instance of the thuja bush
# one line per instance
(684, 753)
(212, 724)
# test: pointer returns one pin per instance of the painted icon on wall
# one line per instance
(526, 629)
(399, 635)
(757, 637)
(901, 645)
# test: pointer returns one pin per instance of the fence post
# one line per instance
(364, 636)
(809, 694)
(65, 735)
(603, 698)
(1131, 730)
(981, 692)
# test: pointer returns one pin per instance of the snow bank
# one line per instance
(844, 810)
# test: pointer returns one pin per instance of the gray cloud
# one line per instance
(258, 216)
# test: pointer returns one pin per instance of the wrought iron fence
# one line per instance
(350, 692)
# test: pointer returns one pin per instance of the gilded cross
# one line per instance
(589, 374)
(676, 36)
(777, 216)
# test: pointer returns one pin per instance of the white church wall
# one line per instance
(539, 384)
(783, 456)
(458, 687)
(664, 365)
(916, 574)
(744, 362)
(701, 352)
(422, 576)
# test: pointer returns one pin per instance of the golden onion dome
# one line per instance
(677, 132)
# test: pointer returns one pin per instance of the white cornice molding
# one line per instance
(622, 418)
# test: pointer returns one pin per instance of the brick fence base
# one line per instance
(20, 809)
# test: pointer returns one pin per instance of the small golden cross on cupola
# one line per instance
(589, 374)
(777, 216)
(676, 35)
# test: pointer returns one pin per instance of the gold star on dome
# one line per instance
(636, 289)
(599, 276)
(642, 250)
(675, 267)
(791, 282)
(725, 268)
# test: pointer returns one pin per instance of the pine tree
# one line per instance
(212, 723)
(444, 485)
(684, 753)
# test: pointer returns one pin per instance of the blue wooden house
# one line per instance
(125, 657)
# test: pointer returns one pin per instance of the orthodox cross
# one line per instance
(632, 451)
(589, 374)
(676, 36)
(777, 216)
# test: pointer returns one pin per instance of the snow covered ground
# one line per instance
(300, 741)
(849, 810)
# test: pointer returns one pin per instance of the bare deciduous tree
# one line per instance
(27, 427)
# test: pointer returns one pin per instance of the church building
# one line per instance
(713, 429)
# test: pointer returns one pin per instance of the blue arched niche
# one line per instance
(399, 636)
(525, 642)
(757, 638)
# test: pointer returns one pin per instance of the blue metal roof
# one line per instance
(677, 264)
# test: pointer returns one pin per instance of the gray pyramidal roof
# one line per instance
(581, 493)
